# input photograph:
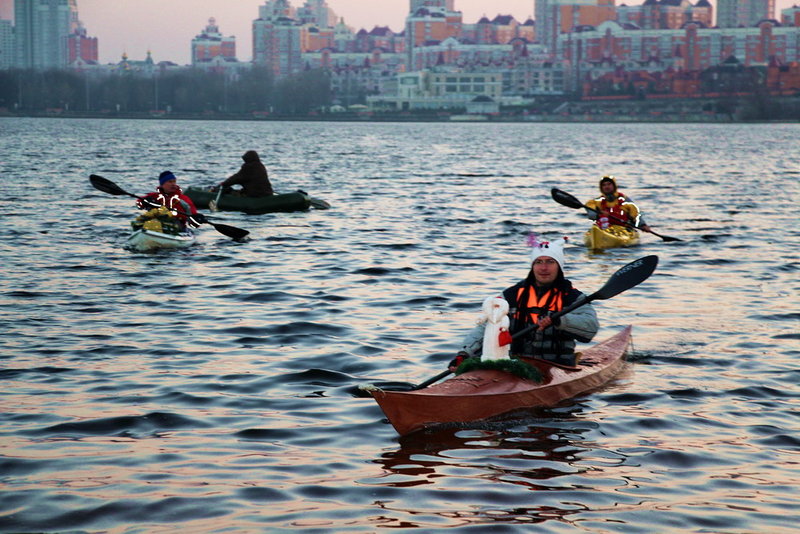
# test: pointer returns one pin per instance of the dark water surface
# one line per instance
(211, 389)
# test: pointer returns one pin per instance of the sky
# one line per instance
(167, 27)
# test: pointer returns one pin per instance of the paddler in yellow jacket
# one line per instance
(612, 208)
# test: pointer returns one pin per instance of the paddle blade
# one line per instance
(230, 231)
(666, 238)
(627, 277)
(107, 186)
(565, 199)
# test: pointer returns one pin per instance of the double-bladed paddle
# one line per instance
(107, 186)
(625, 278)
(565, 199)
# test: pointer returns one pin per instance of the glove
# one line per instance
(556, 320)
(195, 220)
(458, 360)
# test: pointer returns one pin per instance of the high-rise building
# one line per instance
(6, 45)
(743, 13)
(7, 10)
(79, 45)
(41, 30)
(791, 16)
(277, 40)
(666, 14)
(446, 4)
(210, 43)
(554, 17)
(435, 20)
(316, 12)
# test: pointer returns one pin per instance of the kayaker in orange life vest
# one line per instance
(169, 194)
(615, 208)
(544, 291)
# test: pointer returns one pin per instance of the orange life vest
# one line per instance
(610, 215)
(551, 300)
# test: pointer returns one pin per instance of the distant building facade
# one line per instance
(317, 13)
(743, 13)
(7, 52)
(556, 17)
(41, 29)
(666, 14)
(210, 43)
(791, 16)
(81, 46)
(277, 39)
(610, 47)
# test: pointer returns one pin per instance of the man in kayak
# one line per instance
(613, 207)
(170, 195)
(252, 176)
(531, 302)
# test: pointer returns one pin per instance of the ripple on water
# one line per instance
(216, 388)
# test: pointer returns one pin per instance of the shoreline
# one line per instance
(715, 118)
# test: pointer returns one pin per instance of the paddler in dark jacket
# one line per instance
(531, 301)
(252, 176)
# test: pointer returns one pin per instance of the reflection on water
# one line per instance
(213, 388)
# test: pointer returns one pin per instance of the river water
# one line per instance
(212, 389)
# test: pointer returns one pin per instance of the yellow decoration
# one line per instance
(154, 225)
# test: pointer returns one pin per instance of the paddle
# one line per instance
(625, 278)
(565, 199)
(213, 204)
(107, 186)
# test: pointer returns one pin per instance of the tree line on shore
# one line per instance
(255, 92)
(191, 92)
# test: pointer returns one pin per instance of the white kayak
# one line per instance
(146, 240)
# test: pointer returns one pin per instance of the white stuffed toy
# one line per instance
(495, 314)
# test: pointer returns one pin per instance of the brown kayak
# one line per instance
(482, 394)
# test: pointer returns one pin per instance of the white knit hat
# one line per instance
(552, 249)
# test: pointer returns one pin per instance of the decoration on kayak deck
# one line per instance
(496, 338)
(509, 365)
(158, 220)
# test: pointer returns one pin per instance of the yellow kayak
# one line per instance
(597, 238)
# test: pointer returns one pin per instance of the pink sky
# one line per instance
(167, 27)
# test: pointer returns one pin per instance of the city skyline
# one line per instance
(127, 28)
(130, 28)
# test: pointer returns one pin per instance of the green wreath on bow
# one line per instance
(513, 366)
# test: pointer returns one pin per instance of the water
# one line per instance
(211, 389)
